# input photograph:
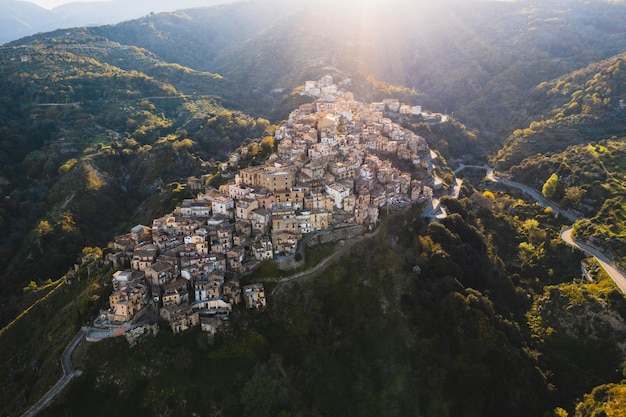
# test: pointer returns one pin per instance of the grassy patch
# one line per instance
(317, 253)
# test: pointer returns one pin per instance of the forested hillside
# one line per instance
(584, 106)
(87, 137)
(590, 179)
(482, 313)
(482, 61)
(417, 319)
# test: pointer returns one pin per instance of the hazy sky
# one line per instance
(49, 4)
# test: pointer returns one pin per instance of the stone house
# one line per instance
(175, 293)
(207, 287)
(261, 220)
(180, 317)
(232, 292)
(254, 296)
(245, 207)
(263, 249)
(160, 273)
(235, 257)
(143, 257)
(126, 302)
(285, 242)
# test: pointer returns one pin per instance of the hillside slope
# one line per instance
(584, 106)
(480, 60)
(85, 141)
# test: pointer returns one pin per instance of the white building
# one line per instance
(223, 206)
(337, 192)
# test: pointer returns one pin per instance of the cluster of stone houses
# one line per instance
(332, 165)
(173, 267)
(340, 150)
(326, 87)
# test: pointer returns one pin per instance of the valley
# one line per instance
(286, 206)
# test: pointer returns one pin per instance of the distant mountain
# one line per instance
(20, 18)
(114, 11)
(480, 60)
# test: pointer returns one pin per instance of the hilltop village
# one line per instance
(336, 163)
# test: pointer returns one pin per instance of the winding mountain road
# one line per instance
(614, 272)
(68, 374)
(544, 202)
(617, 275)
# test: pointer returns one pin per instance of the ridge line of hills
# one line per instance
(536, 87)
(20, 18)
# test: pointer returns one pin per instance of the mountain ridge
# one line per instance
(20, 18)
(100, 126)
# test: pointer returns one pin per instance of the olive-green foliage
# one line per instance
(370, 336)
(30, 349)
(452, 139)
(572, 321)
(604, 400)
(587, 107)
(591, 181)
(420, 319)
(91, 128)
(550, 186)
(477, 60)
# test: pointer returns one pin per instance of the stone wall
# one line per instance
(335, 235)
(289, 263)
(319, 238)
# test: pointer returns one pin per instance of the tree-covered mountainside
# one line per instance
(584, 106)
(458, 318)
(473, 315)
(23, 18)
(486, 65)
(86, 141)
(480, 60)
(416, 320)
(590, 179)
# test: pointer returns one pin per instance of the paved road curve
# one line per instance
(615, 273)
(68, 374)
(544, 202)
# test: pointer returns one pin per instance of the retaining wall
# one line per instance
(319, 238)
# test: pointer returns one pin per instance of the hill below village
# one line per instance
(100, 127)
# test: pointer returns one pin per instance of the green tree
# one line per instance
(32, 286)
(559, 412)
(574, 194)
(529, 226)
(551, 185)
(267, 144)
(43, 228)
(95, 252)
